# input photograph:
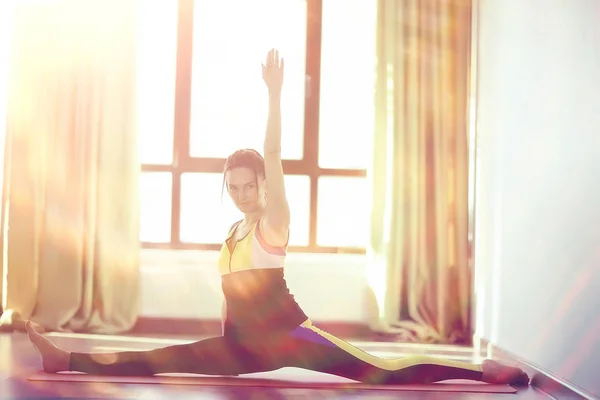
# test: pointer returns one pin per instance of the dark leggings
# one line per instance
(305, 347)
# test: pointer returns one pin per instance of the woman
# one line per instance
(264, 328)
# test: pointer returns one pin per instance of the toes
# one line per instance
(30, 329)
(521, 380)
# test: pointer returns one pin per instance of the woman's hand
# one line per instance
(272, 72)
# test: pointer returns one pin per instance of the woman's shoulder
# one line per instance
(232, 228)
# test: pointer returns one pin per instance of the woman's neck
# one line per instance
(253, 217)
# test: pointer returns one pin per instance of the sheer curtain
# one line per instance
(71, 259)
(420, 274)
(6, 18)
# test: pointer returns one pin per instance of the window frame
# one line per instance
(184, 163)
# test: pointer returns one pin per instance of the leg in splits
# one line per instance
(311, 348)
(306, 347)
(213, 356)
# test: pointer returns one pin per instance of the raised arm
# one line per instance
(277, 215)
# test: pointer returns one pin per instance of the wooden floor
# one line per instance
(18, 361)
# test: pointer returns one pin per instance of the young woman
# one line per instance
(264, 328)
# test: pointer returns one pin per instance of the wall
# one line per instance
(538, 184)
(329, 287)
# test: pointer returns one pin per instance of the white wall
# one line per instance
(538, 183)
(179, 284)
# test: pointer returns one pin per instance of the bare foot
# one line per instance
(495, 372)
(53, 359)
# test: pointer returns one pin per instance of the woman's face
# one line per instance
(247, 194)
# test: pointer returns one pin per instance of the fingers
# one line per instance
(273, 59)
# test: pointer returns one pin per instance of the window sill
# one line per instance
(186, 284)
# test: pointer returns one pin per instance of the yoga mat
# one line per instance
(449, 386)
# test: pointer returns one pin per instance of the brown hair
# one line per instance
(244, 158)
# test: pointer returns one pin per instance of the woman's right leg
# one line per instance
(213, 356)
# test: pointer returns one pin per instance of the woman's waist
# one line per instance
(260, 307)
(250, 287)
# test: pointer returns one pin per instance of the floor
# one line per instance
(18, 360)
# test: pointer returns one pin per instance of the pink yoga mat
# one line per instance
(341, 384)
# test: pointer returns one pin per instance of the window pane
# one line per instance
(347, 83)
(297, 189)
(229, 97)
(156, 80)
(343, 212)
(155, 204)
(205, 216)
(206, 219)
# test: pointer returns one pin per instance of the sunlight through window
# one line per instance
(347, 120)
(343, 216)
(347, 116)
(157, 38)
(229, 97)
(229, 110)
(155, 207)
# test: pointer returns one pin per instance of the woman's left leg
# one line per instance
(311, 348)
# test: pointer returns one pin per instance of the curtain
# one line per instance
(71, 226)
(6, 13)
(418, 258)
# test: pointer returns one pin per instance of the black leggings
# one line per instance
(305, 347)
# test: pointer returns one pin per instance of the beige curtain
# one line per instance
(71, 259)
(421, 278)
(5, 30)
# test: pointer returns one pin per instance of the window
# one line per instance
(343, 213)
(202, 97)
(347, 105)
(155, 210)
(157, 38)
(229, 97)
